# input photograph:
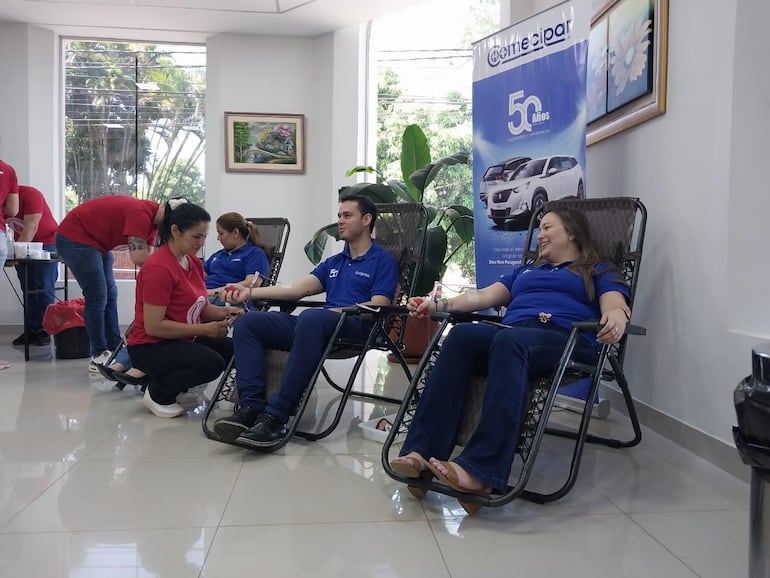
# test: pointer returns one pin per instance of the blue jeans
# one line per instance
(304, 336)
(124, 359)
(92, 269)
(509, 358)
(40, 276)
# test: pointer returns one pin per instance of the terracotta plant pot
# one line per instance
(418, 333)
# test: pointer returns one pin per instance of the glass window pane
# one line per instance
(134, 124)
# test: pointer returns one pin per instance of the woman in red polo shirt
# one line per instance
(178, 338)
(86, 237)
(9, 202)
(9, 205)
(34, 222)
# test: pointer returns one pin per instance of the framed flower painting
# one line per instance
(627, 61)
(264, 143)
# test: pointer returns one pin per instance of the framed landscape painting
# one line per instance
(264, 143)
(627, 62)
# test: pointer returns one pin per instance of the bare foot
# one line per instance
(412, 465)
(134, 372)
(117, 367)
(457, 477)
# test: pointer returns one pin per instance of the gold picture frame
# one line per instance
(264, 143)
(627, 66)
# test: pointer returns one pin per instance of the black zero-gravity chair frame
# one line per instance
(274, 234)
(617, 226)
(400, 230)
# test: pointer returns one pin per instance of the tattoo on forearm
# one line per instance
(137, 244)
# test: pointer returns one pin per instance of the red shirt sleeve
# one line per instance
(157, 285)
(31, 205)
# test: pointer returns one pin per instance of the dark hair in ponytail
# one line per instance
(234, 221)
(183, 214)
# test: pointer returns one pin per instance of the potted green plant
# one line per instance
(418, 172)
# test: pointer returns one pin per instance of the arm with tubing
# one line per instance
(494, 295)
(305, 287)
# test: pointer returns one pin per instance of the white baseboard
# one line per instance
(717, 452)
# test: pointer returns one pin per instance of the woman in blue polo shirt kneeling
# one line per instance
(242, 259)
(567, 283)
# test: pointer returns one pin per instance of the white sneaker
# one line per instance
(98, 360)
(171, 410)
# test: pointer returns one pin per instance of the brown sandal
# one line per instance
(412, 465)
(451, 479)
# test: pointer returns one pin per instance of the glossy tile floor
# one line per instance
(93, 486)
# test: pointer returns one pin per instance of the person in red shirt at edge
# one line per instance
(86, 237)
(9, 205)
(178, 338)
(35, 223)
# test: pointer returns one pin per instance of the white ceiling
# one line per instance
(194, 20)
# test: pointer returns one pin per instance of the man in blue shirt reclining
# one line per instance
(363, 273)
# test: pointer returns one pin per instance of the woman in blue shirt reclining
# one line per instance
(567, 283)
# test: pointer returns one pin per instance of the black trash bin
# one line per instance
(72, 343)
(752, 438)
(64, 320)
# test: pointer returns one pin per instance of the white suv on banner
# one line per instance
(499, 173)
(531, 186)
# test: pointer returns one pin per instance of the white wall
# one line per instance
(679, 165)
(317, 77)
(30, 104)
(273, 75)
(29, 123)
(748, 295)
(699, 170)
(14, 115)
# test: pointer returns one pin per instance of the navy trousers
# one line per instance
(304, 336)
(509, 357)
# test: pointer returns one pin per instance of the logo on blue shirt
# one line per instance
(333, 273)
(364, 274)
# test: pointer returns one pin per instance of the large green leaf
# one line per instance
(399, 187)
(378, 192)
(415, 153)
(432, 267)
(365, 169)
(461, 220)
(432, 212)
(314, 248)
(360, 169)
(425, 174)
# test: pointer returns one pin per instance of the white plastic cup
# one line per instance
(21, 250)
